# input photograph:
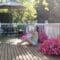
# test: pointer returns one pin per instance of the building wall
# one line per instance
(5, 18)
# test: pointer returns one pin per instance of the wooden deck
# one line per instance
(9, 50)
(15, 52)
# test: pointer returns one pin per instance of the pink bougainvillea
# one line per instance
(51, 46)
(26, 37)
(42, 36)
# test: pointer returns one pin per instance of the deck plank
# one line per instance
(9, 52)
(20, 53)
(6, 54)
(27, 53)
(30, 53)
(33, 54)
(36, 54)
(23, 53)
(14, 52)
(2, 51)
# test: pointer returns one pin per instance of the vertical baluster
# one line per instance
(59, 29)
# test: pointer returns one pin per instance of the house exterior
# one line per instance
(6, 18)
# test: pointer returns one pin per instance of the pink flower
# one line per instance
(42, 36)
(51, 46)
(26, 36)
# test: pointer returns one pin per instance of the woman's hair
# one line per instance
(37, 28)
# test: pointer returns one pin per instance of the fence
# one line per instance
(11, 28)
(51, 29)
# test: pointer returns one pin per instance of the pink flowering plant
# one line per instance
(51, 46)
(26, 37)
(42, 36)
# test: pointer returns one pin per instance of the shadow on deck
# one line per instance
(11, 50)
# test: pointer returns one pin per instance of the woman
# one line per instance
(34, 38)
(31, 37)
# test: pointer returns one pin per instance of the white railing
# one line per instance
(51, 29)
(13, 25)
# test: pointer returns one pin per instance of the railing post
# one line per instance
(46, 27)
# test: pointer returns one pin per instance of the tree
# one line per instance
(54, 7)
(28, 14)
(42, 10)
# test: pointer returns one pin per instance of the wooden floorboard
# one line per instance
(23, 53)
(2, 52)
(13, 53)
(33, 53)
(21, 57)
(16, 52)
(9, 52)
(6, 50)
(28, 53)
